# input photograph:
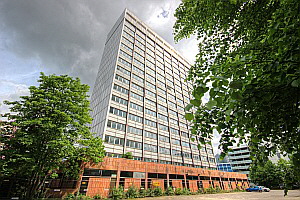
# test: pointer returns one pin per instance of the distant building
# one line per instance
(276, 157)
(225, 167)
(240, 160)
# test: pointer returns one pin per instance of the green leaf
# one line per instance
(189, 116)
(211, 104)
(296, 83)
(236, 96)
(196, 102)
(188, 107)
(236, 85)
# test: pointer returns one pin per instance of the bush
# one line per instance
(132, 192)
(158, 192)
(118, 193)
(169, 191)
(218, 189)
(97, 196)
(70, 196)
(178, 191)
(150, 193)
(142, 193)
(210, 190)
(127, 155)
(186, 191)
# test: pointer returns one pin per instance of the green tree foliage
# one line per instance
(52, 133)
(273, 175)
(249, 64)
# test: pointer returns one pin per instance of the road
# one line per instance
(272, 195)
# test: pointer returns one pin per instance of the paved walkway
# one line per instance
(272, 195)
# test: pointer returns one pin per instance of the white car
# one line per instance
(264, 189)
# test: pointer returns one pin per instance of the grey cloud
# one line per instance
(68, 37)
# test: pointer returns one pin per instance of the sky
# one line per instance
(68, 37)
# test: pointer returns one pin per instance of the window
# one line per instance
(150, 112)
(119, 100)
(174, 131)
(134, 130)
(165, 162)
(149, 147)
(138, 78)
(163, 127)
(116, 125)
(150, 160)
(150, 64)
(133, 144)
(151, 85)
(139, 56)
(162, 84)
(209, 151)
(161, 91)
(179, 101)
(171, 104)
(193, 146)
(172, 112)
(124, 62)
(184, 134)
(126, 55)
(162, 99)
(150, 123)
(140, 44)
(164, 138)
(211, 160)
(129, 30)
(187, 155)
(120, 78)
(174, 141)
(160, 76)
(173, 121)
(150, 102)
(140, 50)
(151, 78)
(182, 125)
(135, 118)
(164, 150)
(176, 152)
(204, 158)
(196, 157)
(121, 69)
(118, 112)
(139, 71)
(185, 144)
(151, 93)
(128, 42)
(150, 71)
(135, 86)
(180, 108)
(169, 82)
(136, 96)
(163, 117)
(150, 135)
(162, 107)
(140, 38)
(128, 36)
(126, 47)
(114, 140)
(139, 63)
(171, 97)
(120, 89)
(135, 106)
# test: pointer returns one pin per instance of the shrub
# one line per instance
(132, 192)
(150, 193)
(127, 155)
(97, 196)
(70, 196)
(186, 191)
(158, 192)
(178, 191)
(117, 193)
(142, 193)
(169, 191)
(209, 190)
(218, 189)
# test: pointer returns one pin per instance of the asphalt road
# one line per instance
(272, 195)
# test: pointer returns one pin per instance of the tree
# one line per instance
(273, 175)
(52, 133)
(248, 63)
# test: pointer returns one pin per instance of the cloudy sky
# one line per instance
(67, 37)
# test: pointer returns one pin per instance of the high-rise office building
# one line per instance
(139, 98)
(240, 160)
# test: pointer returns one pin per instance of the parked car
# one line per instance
(254, 189)
(265, 189)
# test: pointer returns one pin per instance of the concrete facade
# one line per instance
(239, 159)
(139, 98)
